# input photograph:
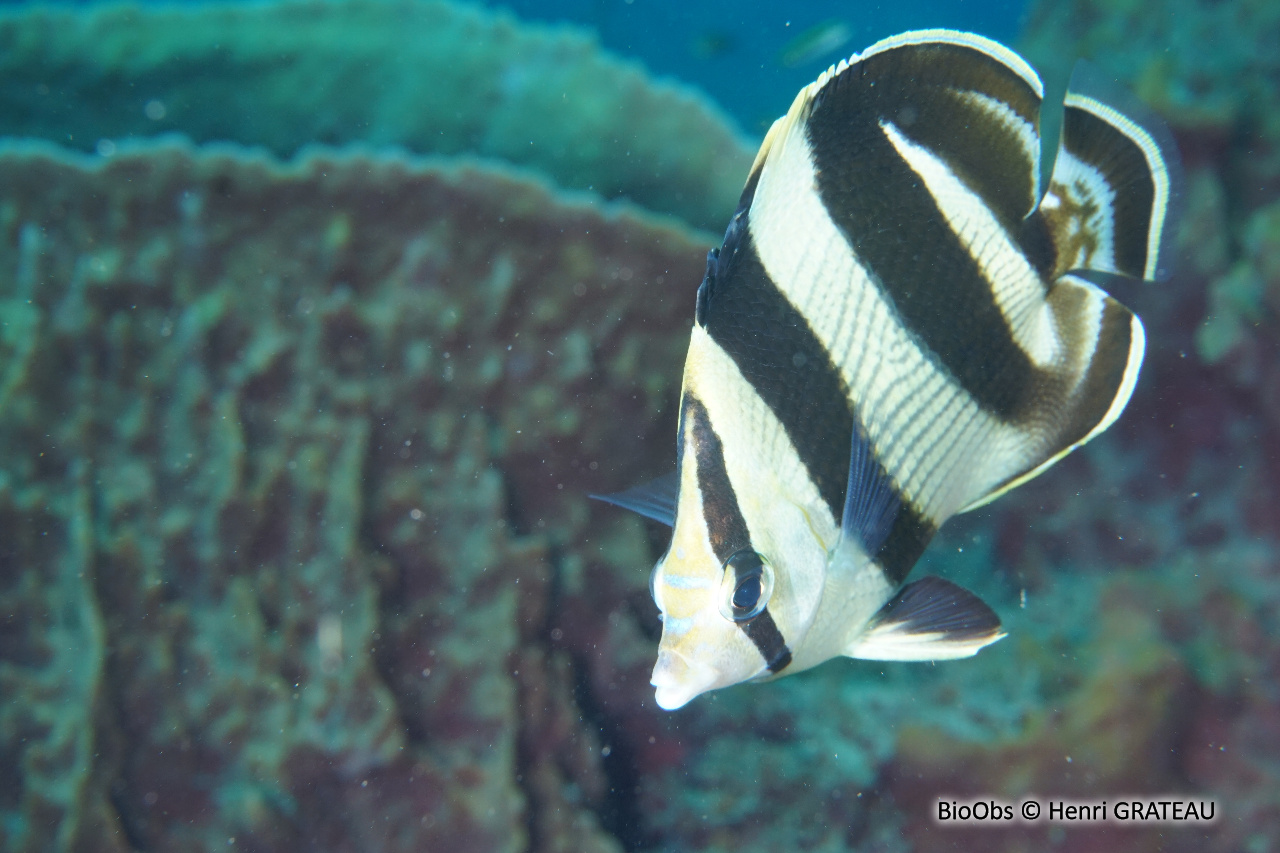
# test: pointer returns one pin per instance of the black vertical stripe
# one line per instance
(726, 528)
(1124, 167)
(784, 361)
(778, 353)
(894, 225)
(1036, 241)
(906, 541)
(763, 631)
(1104, 375)
(1078, 410)
(926, 91)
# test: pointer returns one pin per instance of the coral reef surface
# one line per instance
(428, 76)
(280, 449)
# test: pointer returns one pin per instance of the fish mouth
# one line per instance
(678, 681)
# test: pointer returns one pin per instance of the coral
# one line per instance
(1248, 294)
(1106, 737)
(431, 77)
(293, 470)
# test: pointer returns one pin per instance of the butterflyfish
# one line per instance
(901, 324)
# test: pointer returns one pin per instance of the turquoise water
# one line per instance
(737, 53)
(320, 320)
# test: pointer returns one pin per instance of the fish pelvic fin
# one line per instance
(930, 619)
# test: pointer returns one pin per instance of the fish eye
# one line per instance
(746, 586)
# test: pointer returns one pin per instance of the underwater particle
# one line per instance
(105, 148)
(154, 110)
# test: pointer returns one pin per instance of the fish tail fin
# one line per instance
(1115, 183)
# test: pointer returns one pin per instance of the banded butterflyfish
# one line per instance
(901, 324)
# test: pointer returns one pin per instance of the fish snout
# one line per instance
(677, 680)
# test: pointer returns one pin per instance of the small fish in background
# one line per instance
(816, 43)
(899, 326)
(713, 44)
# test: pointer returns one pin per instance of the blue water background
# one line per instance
(732, 50)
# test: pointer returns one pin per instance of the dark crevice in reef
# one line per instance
(619, 812)
(524, 771)
(535, 630)
(513, 509)
(392, 590)
(132, 836)
(112, 737)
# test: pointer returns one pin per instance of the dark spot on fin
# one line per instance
(931, 619)
(655, 499)
(871, 501)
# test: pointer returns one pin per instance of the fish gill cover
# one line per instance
(294, 549)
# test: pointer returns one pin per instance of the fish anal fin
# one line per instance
(930, 619)
(1114, 185)
(655, 499)
(1105, 344)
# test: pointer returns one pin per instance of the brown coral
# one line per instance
(286, 446)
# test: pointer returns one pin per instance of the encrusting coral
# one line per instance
(429, 76)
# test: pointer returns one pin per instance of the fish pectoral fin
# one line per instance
(930, 619)
(655, 499)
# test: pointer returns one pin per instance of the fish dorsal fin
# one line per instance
(1109, 209)
(1115, 183)
(655, 499)
(930, 619)
(929, 83)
